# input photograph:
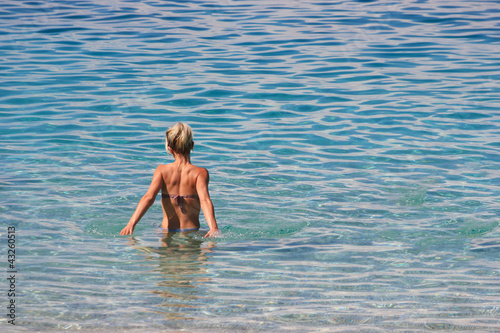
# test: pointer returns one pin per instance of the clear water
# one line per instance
(353, 149)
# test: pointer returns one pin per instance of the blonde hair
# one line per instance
(179, 138)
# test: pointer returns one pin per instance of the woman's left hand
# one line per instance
(213, 233)
(128, 230)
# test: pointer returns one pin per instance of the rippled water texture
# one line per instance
(353, 149)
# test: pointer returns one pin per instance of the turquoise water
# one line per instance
(353, 149)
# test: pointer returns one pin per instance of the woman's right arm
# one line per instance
(206, 203)
(147, 200)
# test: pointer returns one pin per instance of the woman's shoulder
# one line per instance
(191, 169)
(200, 173)
(163, 167)
(198, 169)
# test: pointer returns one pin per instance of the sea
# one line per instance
(353, 150)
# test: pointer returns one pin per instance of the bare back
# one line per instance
(180, 197)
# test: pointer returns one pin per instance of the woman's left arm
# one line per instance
(147, 200)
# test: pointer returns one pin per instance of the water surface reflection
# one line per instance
(181, 261)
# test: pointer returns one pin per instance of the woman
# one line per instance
(184, 188)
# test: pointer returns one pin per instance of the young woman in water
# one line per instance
(184, 188)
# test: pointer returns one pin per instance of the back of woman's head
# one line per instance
(180, 138)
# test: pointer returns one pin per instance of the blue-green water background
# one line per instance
(353, 149)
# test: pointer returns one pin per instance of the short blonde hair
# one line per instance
(179, 138)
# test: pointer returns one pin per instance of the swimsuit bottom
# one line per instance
(178, 230)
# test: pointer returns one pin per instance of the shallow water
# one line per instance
(352, 146)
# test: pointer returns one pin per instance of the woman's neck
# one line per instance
(182, 159)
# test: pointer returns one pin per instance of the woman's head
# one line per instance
(180, 138)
